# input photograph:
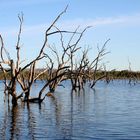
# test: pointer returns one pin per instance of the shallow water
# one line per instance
(109, 112)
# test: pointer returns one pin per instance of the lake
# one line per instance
(107, 112)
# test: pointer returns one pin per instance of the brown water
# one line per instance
(110, 112)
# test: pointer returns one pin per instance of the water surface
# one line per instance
(108, 112)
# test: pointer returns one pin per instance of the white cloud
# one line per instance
(121, 20)
(73, 24)
(132, 20)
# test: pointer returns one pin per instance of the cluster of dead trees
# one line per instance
(60, 66)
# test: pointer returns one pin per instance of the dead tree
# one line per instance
(132, 78)
(107, 75)
(63, 71)
(54, 76)
(78, 75)
(51, 79)
(13, 67)
(76, 70)
(63, 60)
(65, 64)
(86, 69)
(61, 63)
(52, 73)
(93, 68)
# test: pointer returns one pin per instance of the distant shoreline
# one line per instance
(112, 75)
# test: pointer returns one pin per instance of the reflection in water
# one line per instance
(30, 122)
(14, 118)
(108, 112)
(62, 119)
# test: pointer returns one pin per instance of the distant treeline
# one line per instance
(124, 74)
(112, 75)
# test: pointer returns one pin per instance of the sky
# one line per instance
(118, 20)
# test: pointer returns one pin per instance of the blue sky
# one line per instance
(118, 20)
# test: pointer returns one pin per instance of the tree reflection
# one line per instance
(15, 131)
(66, 108)
(18, 123)
(30, 122)
(58, 118)
(4, 123)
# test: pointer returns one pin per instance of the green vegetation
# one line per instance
(112, 75)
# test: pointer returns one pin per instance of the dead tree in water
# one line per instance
(65, 60)
(66, 67)
(132, 78)
(93, 68)
(78, 73)
(53, 78)
(61, 63)
(12, 68)
(75, 71)
(15, 70)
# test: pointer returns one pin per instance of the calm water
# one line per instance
(110, 112)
